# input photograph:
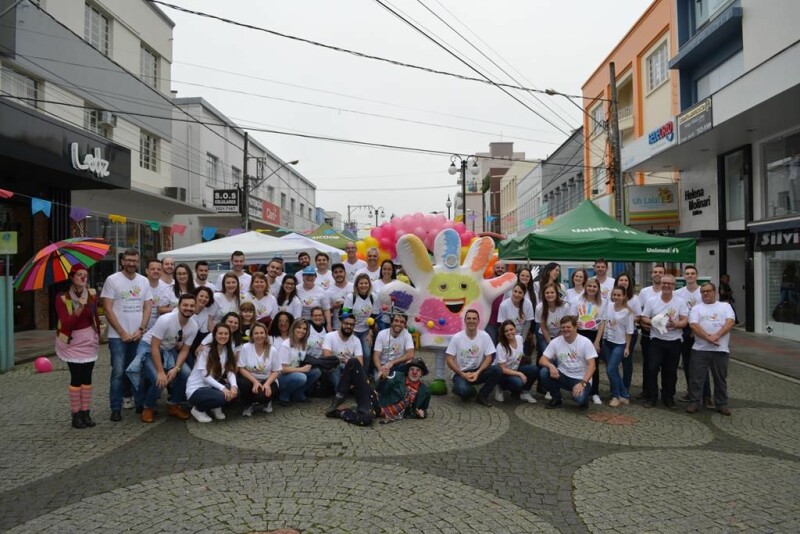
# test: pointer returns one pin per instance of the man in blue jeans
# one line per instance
(127, 300)
(568, 363)
(469, 355)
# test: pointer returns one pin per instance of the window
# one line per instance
(293, 206)
(212, 169)
(96, 121)
(271, 193)
(302, 209)
(598, 119)
(149, 67)
(14, 84)
(782, 176)
(310, 218)
(705, 10)
(95, 28)
(283, 201)
(148, 151)
(734, 186)
(657, 67)
(236, 175)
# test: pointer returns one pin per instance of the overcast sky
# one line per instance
(542, 43)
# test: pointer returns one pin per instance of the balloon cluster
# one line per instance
(425, 226)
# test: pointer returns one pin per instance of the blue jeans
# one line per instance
(615, 353)
(122, 354)
(514, 384)
(627, 363)
(491, 329)
(334, 376)
(541, 344)
(295, 386)
(488, 377)
(148, 393)
(563, 382)
(207, 398)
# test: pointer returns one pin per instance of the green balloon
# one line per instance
(438, 387)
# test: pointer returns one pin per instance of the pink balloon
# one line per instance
(385, 243)
(418, 217)
(460, 227)
(389, 231)
(448, 224)
(399, 234)
(429, 242)
(43, 365)
(375, 232)
(420, 232)
(465, 239)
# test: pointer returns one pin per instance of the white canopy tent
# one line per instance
(258, 248)
(334, 253)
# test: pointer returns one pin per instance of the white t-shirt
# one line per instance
(711, 318)
(509, 311)
(373, 275)
(590, 315)
(618, 323)
(646, 294)
(324, 281)
(311, 298)
(336, 295)
(553, 317)
(168, 327)
(353, 268)
(202, 318)
(315, 341)
(573, 295)
(361, 309)
(266, 306)
(390, 347)
(259, 365)
(244, 282)
(208, 284)
(198, 379)
(511, 359)
(691, 297)
(573, 358)
(159, 298)
(225, 306)
(129, 297)
(294, 306)
(675, 308)
(290, 355)
(469, 353)
(606, 287)
(344, 350)
(275, 287)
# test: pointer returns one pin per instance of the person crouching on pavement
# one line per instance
(395, 397)
(469, 356)
(568, 363)
(516, 378)
(215, 362)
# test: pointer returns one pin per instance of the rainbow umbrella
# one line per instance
(53, 263)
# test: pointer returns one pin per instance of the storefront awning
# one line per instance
(135, 204)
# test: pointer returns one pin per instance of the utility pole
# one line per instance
(245, 198)
(616, 157)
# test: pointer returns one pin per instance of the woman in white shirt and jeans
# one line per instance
(215, 363)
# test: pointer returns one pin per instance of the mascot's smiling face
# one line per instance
(455, 290)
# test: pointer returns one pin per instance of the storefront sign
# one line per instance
(8, 243)
(271, 213)
(695, 121)
(254, 207)
(666, 232)
(94, 163)
(779, 240)
(652, 204)
(226, 200)
(649, 145)
(696, 200)
(666, 131)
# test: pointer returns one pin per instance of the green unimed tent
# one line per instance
(586, 233)
(326, 234)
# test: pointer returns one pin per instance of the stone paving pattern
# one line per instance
(512, 468)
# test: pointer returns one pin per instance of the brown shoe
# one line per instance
(176, 411)
(724, 410)
(708, 403)
(148, 415)
(692, 408)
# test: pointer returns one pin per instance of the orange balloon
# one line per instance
(489, 271)
(361, 256)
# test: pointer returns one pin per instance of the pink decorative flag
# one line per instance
(177, 229)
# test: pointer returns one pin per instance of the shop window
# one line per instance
(149, 67)
(734, 186)
(148, 151)
(657, 72)
(781, 173)
(783, 286)
(20, 88)
(96, 28)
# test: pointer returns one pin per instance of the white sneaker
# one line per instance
(527, 397)
(596, 399)
(624, 401)
(268, 407)
(248, 411)
(217, 413)
(614, 402)
(127, 403)
(498, 395)
(201, 417)
(547, 396)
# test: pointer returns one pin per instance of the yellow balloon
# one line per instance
(370, 321)
(361, 247)
(371, 242)
(383, 256)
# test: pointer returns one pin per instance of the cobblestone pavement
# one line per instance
(512, 468)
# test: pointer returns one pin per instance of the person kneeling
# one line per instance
(204, 388)
(395, 397)
(568, 363)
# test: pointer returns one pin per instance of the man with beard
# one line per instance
(469, 356)
(644, 295)
(201, 275)
(164, 350)
(396, 396)
(304, 260)
(342, 344)
(337, 292)
(275, 276)
(157, 289)
(237, 268)
(394, 346)
(352, 265)
(167, 270)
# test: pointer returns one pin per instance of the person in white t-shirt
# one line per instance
(303, 261)
(665, 347)
(606, 282)
(577, 280)
(691, 294)
(158, 288)
(626, 282)
(568, 363)
(167, 270)
(163, 351)
(275, 276)
(265, 304)
(352, 264)
(312, 296)
(373, 270)
(215, 364)
(517, 309)
(259, 367)
(469, 355)
(298, 378)
(619, 318)
(338, 292)
(516, 378)
(237, 268)
(127, 301)
(711, 321)
(394, 346)
(548, 315)
(644, 295)
(324, 275)
(201, 276)
(344, 345)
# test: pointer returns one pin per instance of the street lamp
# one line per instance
(248, 186)
(449, 203)
(377, 210)
(463, 162)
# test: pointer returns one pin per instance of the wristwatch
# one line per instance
(584, 383)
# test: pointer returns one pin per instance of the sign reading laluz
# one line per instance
(94, 163)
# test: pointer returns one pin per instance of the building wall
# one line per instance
(767, 28)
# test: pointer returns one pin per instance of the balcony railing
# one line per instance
(625, 112)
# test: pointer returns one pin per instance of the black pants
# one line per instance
(645, 343)
(664, 357)
(592, 336)
(354, 380)
(80, 374)
(247, 395)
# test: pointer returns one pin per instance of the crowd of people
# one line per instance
(265, 338)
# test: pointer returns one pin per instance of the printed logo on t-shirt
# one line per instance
(325, 283)
(134, 292)
(604, 291)
(570, 355)
(587, 316)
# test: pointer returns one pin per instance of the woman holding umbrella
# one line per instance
(77, 341)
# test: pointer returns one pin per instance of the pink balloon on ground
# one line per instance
(43, 365)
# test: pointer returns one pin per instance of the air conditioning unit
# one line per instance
(107, 119)
(178, 193)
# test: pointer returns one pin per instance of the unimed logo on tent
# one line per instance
(665, 250)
